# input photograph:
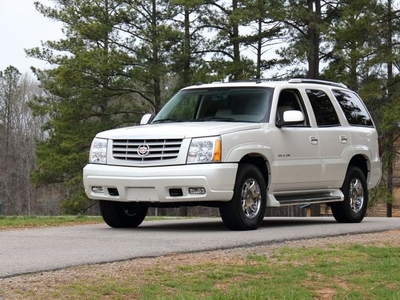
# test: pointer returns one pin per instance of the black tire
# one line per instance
(354, 206)
(246, 210)
(122, 214)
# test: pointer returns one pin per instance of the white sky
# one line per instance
(23, 27)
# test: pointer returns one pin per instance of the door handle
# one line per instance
(313, 140)
(343, 139)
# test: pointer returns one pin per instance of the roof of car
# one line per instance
(266, 83)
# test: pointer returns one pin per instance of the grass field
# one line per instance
(15, 222)
(10, 222)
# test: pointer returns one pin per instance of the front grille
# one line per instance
(158, 149)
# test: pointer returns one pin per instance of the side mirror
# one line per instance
(291, 117)
(146, 119)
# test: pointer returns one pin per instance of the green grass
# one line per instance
(14, 222)
(332, 272)
(355, 272)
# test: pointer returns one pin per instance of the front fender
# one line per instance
(235, 154)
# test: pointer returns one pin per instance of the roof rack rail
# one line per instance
(256, 80)
(306, 80)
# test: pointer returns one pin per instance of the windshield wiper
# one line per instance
(169, 120)
(215, 118)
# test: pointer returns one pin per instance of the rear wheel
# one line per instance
(354, 206)
(246, 210)
(122, 214)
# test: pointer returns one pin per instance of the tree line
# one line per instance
(119, 59)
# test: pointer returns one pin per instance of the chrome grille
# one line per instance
(158, 149)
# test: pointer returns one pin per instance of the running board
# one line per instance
(309, 199)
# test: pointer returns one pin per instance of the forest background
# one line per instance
(121, 59)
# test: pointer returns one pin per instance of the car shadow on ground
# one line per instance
(216, 224)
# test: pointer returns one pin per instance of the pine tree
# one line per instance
(389, 56)
(189, 58)
(265, 32)
(306, 22)
(89, 90)
(354, 41)
(224, 20)
(150, 40)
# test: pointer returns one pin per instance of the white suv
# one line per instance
(242, 147)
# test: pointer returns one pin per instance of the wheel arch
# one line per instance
(260, 162)
(361, 162)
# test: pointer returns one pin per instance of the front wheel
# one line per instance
(122, 214)
(246, 210)
(354, 206)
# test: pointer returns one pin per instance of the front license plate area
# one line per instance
(142, 194)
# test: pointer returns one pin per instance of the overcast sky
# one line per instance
(22, 27)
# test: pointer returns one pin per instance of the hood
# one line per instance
(177, 130)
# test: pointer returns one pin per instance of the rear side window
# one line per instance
(325, 113)
(353, 108)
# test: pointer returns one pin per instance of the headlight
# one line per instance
(203, 150)
(98, 151)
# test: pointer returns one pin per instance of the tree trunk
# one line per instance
(313, 39)
(390, 78)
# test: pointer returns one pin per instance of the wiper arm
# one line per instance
(169, 120)
(215, 118)
(205, 119)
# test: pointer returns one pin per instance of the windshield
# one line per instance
(218, 104)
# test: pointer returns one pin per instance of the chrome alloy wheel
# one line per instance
(251, 198)
(356, 195)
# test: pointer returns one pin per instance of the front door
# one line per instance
(297, 159)
(297, 163)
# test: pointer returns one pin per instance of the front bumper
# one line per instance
(160, 184)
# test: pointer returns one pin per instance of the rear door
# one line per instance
(334, 138)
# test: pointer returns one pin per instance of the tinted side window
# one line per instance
(324, 112)
(353, 108)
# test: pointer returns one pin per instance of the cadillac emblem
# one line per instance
(143, 150)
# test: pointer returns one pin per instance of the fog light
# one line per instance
(197, 190)
(97, 189)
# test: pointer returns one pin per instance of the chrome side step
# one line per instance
(309, 198)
